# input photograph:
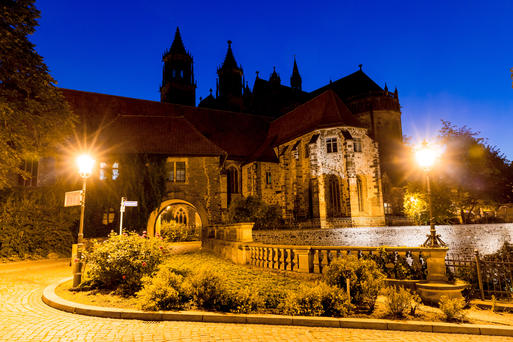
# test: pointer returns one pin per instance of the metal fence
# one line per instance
(489, 275)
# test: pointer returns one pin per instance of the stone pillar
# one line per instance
(304, 260)
(435, 258)
(323, 210)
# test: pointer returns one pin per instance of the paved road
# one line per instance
(24, 317)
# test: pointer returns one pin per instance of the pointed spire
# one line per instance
(229, 60)
(295, 79)
(386, 89)
(210, 91)
(274, 76)
(177, 46)
(396, 94)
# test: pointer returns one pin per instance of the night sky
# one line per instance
(449, 60)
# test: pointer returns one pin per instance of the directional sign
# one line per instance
(73, 198)
(130, 203)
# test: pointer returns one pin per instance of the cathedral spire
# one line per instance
(275, 78)
(295, 79)
(229, 60)
(231, 83)
(177, 46)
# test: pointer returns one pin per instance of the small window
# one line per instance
(181, 216)
(115, 171)
(388, 208)
(180, 172)
(331, 145)
(358, 145)
(103, 171)
(181, 73)
(268, 179)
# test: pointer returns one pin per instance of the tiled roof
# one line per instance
(325, 110)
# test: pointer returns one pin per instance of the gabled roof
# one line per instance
(325, 110)
(357, 83)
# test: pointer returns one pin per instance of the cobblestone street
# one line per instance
(24, 317)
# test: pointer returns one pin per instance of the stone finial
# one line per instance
(360, 66)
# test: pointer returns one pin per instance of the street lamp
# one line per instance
(426, 156)
(85, 167)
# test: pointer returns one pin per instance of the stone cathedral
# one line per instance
(320, 156)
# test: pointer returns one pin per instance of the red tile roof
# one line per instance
(325, 110)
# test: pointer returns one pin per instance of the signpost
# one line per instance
(124, 203)
(73, 198)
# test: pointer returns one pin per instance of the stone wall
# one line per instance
(461, 239)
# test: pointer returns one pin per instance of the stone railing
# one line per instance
(235, 242)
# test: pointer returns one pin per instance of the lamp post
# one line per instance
(426, 156)
(85, 166)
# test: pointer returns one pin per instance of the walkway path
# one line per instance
(24, 317)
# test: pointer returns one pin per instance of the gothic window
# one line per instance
(233, 180)
(359, 190)
(334, 196)
(115, 170)
(358, 145)
(31, 168)
(331, 145)
(181, 216)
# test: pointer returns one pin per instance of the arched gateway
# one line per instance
(181, 211)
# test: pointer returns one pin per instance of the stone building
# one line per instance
(319, 156)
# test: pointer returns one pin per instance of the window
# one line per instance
(115, 171)
(181, 216)
(181, 73)
(233, 180)
(31, 169)
(103, 171)
(176, 172)
(334, 196)
(388, 208)
(358, 145)
(331, 145)
(106, 172)
(108, 216)
(268, 179)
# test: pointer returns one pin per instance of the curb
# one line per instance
(51, 299)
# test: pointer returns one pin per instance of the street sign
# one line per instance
(124, 204)
(130, 203)
(73, 198)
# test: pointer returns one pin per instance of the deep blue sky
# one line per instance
(449, 59)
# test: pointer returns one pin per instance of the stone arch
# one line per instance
(152, 226)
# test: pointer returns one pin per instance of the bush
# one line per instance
(165, 291)
(365, 279)
(398, 301)
(172, 232)
(244, 301)
(252, 209)
(33, 222)
(121, 261)
(452, 308)
(209, 291)
(320, 300)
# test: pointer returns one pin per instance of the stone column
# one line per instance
(304, 260)
(435, 258)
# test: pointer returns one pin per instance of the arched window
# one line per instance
(115, 170)
(334, 196)
(359, 190)
(181, 216)
(103, 171)
(233, 180)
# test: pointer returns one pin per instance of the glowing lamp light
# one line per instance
(85, 165)
(426, 155)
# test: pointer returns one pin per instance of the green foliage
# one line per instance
(172, 232)
(319, 300)
(452, 308)
(141, 178)
(164, 291)
(399, 300)
(209, 290)
(121, 261)
(416, 204)
(395, 266)
(252, 209)
(365, 279)
(34, 117)
(33, 222)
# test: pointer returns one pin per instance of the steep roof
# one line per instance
(229, 60)
(325, 110)
(177, 46)
(357, 83)
(183, 129)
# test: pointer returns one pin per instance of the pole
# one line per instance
(121, 211)
(77, 267)
(431, 220)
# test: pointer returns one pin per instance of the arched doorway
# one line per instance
(177, 213)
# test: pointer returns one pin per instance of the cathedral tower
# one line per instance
(230, 82)
(295, 79)
(178, 84)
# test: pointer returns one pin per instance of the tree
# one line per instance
(34, 117)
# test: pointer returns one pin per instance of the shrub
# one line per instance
(252, 209)
(320, 300)
(452, 308)
(244, 301)
(172, 232)
(165, 291)
(365, 279)
(399, 300)
(209, 291)
(121, 261)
